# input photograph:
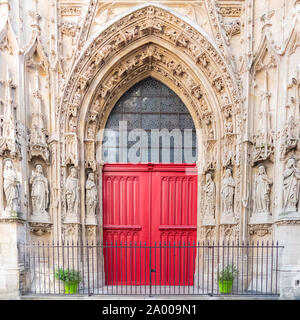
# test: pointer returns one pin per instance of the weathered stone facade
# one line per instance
(65, 63)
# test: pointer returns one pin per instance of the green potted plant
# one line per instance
(226, 277)
(70, 277)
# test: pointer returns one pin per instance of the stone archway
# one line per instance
(149, 41)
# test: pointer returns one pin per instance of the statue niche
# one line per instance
(91, 199)
(11, 186)
(261, 198)
(39, 195)
(291, 188)
(72, 197)
(227, 195)
(209, 201)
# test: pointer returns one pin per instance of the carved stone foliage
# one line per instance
(40, 229)
(207, 234)
(260, 230)
(230, 10)
(71, 231)
(232, 28)
(70, 10)
(69, 28)
(229, 233)
(91, 232)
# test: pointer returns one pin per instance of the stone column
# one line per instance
(287, 231)
(12, 235)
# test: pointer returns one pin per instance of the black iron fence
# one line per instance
(176, 268)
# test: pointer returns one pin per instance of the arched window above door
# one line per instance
(149, 123)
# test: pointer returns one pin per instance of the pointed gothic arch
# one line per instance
(149, 41)
(195, 69)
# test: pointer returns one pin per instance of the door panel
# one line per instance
(174, 223)
(149, 204)
(125, 194)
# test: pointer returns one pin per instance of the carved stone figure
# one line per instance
(72, 193)
(261, 194)
(289, 137)
(227, 192)
(11, 188)
(291, 186)
(39, 191)
(210, 196)
(91, 195)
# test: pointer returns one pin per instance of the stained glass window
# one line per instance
(149, 123)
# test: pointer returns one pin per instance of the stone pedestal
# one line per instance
(12, 233)
(40, 224)
(228, 218)
(287, 232)
(289, 215)
(91, 221)
(11, 214)
(72, 219)
(41, 217)
(208, 221)
(261, 218)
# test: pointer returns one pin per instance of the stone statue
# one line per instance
(91, 195)
(210, 196)
(11, 187)
(291, 187)
(72, 193)
(39, 191)
(261, 193)
(227, 192)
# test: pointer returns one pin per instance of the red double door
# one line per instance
(149, 223)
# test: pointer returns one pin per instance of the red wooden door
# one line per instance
(125, 223)
(174, 223)
(149, 204)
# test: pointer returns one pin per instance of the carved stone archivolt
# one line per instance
(148, 42)
(161, 26)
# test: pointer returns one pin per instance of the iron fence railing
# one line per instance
(165, 268)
